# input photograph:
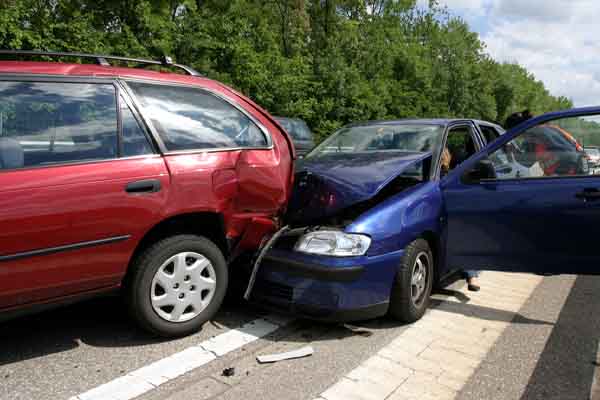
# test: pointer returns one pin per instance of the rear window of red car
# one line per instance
(189, 118)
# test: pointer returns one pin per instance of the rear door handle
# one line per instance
(589, 194)
(144, 186)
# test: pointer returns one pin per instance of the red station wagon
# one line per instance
(128, 178)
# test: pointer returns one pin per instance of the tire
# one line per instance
(403, 306)
(187, 271)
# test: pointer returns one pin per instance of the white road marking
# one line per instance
(153, 375)
(436, 356)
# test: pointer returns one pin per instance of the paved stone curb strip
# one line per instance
(435, 357)
(151, 376)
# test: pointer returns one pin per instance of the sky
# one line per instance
(556, 40)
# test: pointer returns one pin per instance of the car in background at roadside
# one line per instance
(126, 178)
(545, 150)
(300, 132)
(374, 224)
(593, 156)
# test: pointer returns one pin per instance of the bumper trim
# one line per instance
(312, 271)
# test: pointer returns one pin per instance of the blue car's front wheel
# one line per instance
(413, 282)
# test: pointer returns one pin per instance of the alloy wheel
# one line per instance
(418, 281)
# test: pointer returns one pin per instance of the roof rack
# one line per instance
(102, 59)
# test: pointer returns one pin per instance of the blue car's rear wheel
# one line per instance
(412, 286)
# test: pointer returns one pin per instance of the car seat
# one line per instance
(11, 153)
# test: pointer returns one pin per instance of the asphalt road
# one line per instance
(549, 351)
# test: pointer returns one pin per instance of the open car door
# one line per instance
(528, 201)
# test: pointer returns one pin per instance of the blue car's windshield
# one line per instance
(382, 137)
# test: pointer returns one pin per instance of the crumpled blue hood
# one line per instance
(336, 181)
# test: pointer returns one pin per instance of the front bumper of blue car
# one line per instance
(326, 288)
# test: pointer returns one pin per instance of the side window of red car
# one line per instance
(554, 148)
(135, 141)
(189, 118)
(45, 123)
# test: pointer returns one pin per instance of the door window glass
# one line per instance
(489, 133)
(187, 118)
(44, 123)
(459, 146)
(135, 142)
(297, 128)
(555, 148)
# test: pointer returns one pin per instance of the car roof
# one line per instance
(94, 70)
(421, 121)
(488, 123)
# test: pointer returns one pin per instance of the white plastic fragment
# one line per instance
(298, 353)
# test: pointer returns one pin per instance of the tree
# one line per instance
(329, 62)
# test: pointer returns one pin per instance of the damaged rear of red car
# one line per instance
(128, 178)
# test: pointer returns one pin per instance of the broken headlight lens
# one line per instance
(333, 243)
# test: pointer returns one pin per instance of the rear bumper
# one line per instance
(326, 288)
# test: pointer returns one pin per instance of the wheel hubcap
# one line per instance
(419, 278)
(183, 287)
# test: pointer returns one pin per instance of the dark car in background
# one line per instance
(300, 132)
(593, 156)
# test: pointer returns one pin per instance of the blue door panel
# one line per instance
(536, 225)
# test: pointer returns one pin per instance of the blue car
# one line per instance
(382, 211)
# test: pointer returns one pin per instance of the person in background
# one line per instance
(445, 162)
(472, 278)
(513, 120)
(516, 118)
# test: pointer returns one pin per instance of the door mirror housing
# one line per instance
(482, 170)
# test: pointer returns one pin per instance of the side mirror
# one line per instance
(482, 170)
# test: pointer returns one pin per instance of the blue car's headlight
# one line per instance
(333, 243)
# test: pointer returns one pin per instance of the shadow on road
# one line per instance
(565, 369)
(101, 322)
(486, 313)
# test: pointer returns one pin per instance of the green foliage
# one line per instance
(329, 62)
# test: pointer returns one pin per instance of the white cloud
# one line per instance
(473, 5)
(554, 39)
(533, 9)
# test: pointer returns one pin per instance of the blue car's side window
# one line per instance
(460, 145)
(563, 147)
